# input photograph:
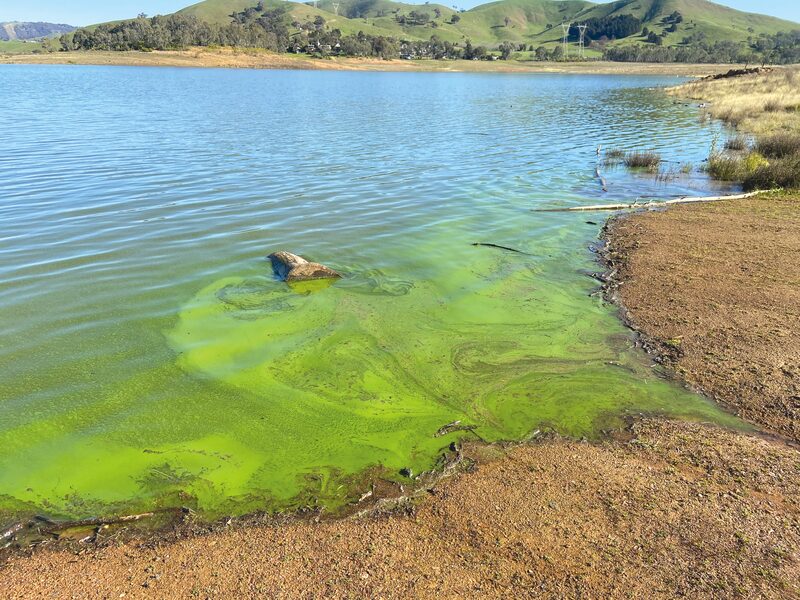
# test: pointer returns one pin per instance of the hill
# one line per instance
(31, 31)
(534, 22)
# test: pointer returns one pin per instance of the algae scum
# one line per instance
(150, 359)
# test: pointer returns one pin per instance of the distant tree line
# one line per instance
(269, 30)
(272, 29)
(781, 48)
(258, 27)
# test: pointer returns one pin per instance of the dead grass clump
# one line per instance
(642, 159)
(737, 143)
(724, 167)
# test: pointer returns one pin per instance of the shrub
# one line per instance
(736, 143)
(724, 167)
(780, 145)
(734, 168)
(639, 159)
(754, 161)
(783, 173)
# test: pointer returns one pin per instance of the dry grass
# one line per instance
(765, 104)
(253, 58)
(737, 143)
(761, 104)
(642, 159)
(779, 145)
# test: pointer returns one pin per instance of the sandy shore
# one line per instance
(259, 59)
(715, 289)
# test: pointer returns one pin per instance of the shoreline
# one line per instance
(737, 332)
(662, 507)
(263, 60)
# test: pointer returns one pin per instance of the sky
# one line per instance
(86, 12)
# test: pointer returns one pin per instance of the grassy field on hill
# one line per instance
(626, 30)
(533, 22)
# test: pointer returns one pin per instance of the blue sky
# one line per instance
(85, 12)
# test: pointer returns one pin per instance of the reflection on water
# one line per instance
(148, 355)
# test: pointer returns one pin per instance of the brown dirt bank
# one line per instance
(259, 59)
(677, 510)
(716, 290)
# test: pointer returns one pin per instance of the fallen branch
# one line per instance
(488, 245)
(650, 204)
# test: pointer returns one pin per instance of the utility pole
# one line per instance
(335, 6)
(565, 27)
(582, 32)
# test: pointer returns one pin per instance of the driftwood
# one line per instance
(650, 204)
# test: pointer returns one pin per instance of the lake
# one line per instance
(148, 357)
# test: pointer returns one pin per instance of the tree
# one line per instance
(455, 19)
(507, 21)
(541, 53)
(557, 53)
(506, 48)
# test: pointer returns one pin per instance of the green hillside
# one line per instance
(535, 22)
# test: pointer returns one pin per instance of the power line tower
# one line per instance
(582, 36)
(335, 6)
(565, 27)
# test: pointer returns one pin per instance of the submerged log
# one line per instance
(291, 267)
(488, 245)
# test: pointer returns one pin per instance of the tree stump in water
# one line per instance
(291, 267)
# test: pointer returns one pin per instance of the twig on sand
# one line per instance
(650, 204)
